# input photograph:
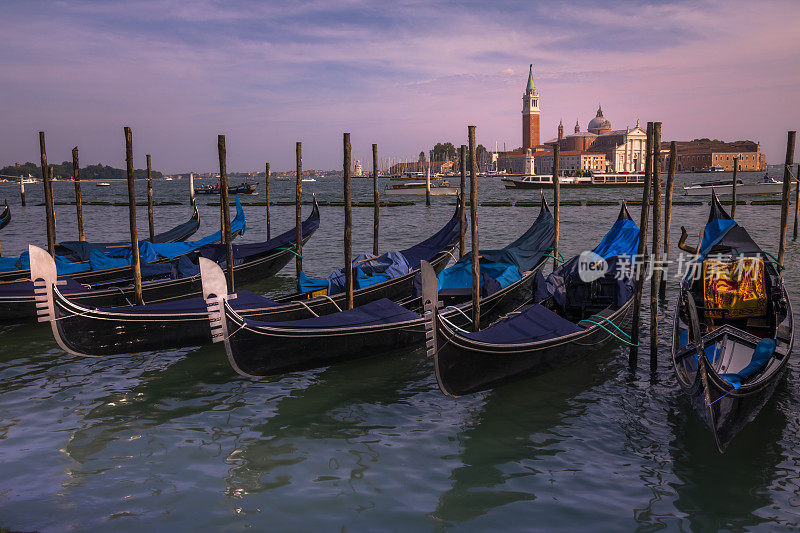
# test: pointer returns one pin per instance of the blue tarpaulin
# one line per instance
(369, 270)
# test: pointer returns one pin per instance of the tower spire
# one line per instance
(531, 87)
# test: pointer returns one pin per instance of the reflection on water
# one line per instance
(177, 440)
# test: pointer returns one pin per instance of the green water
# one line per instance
(176, 440)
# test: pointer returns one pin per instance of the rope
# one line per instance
(554, 257)
(452, 325)
(301, 302)
(612, 323)
(332, 301)
(774, 259)
(601, 326)
(460, 311)
(721, 397)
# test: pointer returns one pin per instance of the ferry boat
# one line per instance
(418, 188)
(768, 186)
(545, 181)
(102, 184)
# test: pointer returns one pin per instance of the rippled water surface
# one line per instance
(177, 440)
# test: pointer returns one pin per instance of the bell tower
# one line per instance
(530, 115)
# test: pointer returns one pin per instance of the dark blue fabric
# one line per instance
(369, 269)
(621, 240)
(25, 288)
(500, 268)
(383, 311)
(63, 265)
(244, 301)
(761, 356)
(427, 249)
(536, 324)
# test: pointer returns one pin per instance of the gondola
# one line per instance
(78, 264)
(733, 329)
(258, 348)
(179, 279)
(74, 255)
(5, 216)
(83, 330)
(567, 318)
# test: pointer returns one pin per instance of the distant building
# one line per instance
(714, 155)
(570, 161)
(530, 114)
(359, 169)
(442, 167)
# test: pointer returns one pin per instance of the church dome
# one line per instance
(599, 124)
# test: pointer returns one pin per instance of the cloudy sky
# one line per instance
(403, 74)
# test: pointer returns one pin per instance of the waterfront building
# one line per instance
(530, 115)
(358, 170)
(704, 154)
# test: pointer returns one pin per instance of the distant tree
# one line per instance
(421, 157)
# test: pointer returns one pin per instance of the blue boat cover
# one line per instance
(244, 301)
(621, 240)
(535, 324)
(383, 311)
(761, 355)
(500, 268)
(369, 270)
(92, 258)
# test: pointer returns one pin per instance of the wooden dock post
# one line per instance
(136, 266)
(266, 186)
(473, 198)
(48, 199)
(556, 202)
(223, 197)
(22, 191)
(150, 223)
(673, 151)
(428, 180)
(348, 221)
(76, 176)
(796, 201)
(787, 180)
(463, 200)
(655, 279)
(192, 201)
(376, 213)
(298, 196)
(733, 187)
(640, 259)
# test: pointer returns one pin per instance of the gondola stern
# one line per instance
(624, 214)
(717, 211)
(543, 203)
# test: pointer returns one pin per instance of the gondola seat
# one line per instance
(761, 356)
(536, 323)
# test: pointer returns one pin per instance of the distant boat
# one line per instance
(768, 186)
(30, 179)
(103, 184)
(545, 181)
(242, 188)
(167, 179)
(308, 180)
(418, 188)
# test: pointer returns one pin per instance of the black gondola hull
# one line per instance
(465, 367)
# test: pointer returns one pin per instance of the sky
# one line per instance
(402, 74)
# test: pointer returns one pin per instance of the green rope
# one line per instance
(290, 250)
(774, 259)
(554, 257)
(612, 323)
(601, 326)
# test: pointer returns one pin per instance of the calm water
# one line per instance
(176, 440)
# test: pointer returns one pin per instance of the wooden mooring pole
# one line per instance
(150, 223)
(463, 200)
(22, 191)
(673, 150)
(76, 176)
(266, 186)
(556, 203)
(376, 213)
(655, 279)
(298, 196)
(640, 259)
(428, 180)
(787, 180)
(733, 187)
(796, 201)
(348, 222)
(223, 197)
(473, 198)
(136, 267)
(48, 198)
(192, 201)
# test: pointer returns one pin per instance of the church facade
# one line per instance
(599, 149)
